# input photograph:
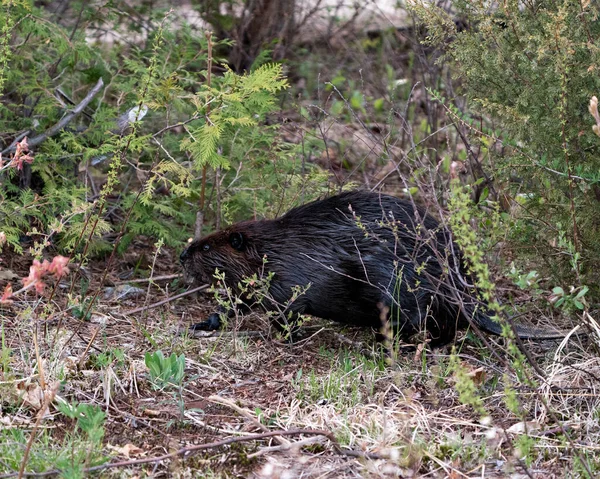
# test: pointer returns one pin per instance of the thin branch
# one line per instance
(176, 125)
(164, 301)
(250, 417)
(164, 277)
(13, 145)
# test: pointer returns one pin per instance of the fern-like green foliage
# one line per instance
(231, 108)
(13, 220)
(53, 70)
(94, 176)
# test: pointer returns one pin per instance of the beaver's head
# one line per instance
(227, 251)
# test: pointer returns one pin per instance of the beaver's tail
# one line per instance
(486, 323)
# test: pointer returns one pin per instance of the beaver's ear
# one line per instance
(237, 241)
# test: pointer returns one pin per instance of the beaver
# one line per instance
(359, 258)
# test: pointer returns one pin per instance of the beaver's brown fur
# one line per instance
(363, 256)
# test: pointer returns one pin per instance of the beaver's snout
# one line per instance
(185, 254)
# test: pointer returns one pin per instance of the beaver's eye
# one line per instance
(206, 247)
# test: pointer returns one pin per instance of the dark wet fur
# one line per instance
(361, 253)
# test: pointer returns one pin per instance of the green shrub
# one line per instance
(531, 68)
(111, 171)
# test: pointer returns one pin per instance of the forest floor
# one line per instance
(357, 413)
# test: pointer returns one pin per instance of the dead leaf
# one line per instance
(31, 393)
(7, 274)
(478, 375)
(151, 412)
(524, 427)
(128, 450)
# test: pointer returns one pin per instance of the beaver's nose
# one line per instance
(184, 255)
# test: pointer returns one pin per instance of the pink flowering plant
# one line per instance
(21, 156)
(39, 272)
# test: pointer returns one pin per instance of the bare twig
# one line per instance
(222, 334)
(243, 412)
(18, 138)
(164, 277)
(165, 301)
(283, 447)
(89, 345)
(176, 125)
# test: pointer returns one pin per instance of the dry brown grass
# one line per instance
(399, 420)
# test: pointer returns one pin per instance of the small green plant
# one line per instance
(89, 419)
(529, 281)
(105, 359)
(89, 422)
(525, 446)
(270, 420)
(70, 454)
(466, 238)
(254, 291)
(571, 301)
(462, 451)
(82, 305)
(164, 371)
(292, 321)
(465, 385)
(349, 381)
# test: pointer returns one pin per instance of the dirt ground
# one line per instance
(363, 414)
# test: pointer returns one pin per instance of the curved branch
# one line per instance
(64, 121)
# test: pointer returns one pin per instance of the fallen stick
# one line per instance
(164, 277)
(243, 412)
(165, 301)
